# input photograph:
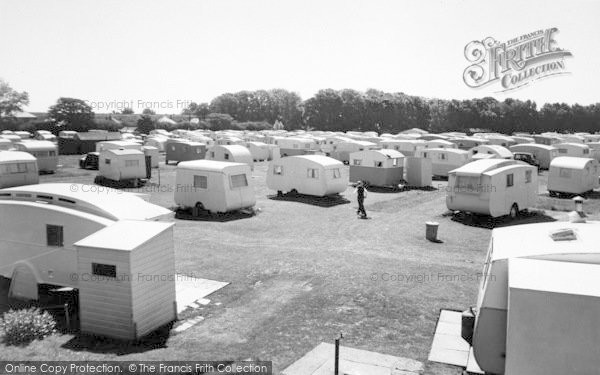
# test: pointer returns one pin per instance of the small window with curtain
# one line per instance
(132, 163)
(510, 180)
(313, 173)
(238, 181)
(226, 156)
(54, 235)
(564, 173)
(527, 177)
(201, 182)
(106, 161)
(336, 173)
(357, 161)
(278, 170)
(378, 164)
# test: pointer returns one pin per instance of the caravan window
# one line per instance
(106, 161)
(132, 163)
(212, 154)
(278, 169)
(527, 177)
(586, 151)
(467, 184)
(378, 164)
(238, 181)
(226, 156)
(564, 173)
(425, 155)
(313, 173)
(562, 150)
(200, 182)
(395, 162)
(357, 161)
(442, 156)
(336, 173)
(52, 153)
(510, 180)
(198, 150)
(54, 235)
(22, 167)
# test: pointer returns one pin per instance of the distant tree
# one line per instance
(219, 121)
(10, 100)
(127, 111)
(72, 114)
(148, 111)
(145, 124)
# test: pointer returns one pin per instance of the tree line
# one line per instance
(332, 110)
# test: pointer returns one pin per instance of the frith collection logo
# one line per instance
(515, 63)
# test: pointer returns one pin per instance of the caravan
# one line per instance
(307, 174)
(122, 166)
(443, 160)
(342, 150)
(182, 150)
(406, 147)
(489, 152)
(45, 152)
(383, 168)
(578, 150)
(542, 153)
(538, 301)
(494, 187)
(572, 175)
(233, 154)
(18, 168)
(214, 186)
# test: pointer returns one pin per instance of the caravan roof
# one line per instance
(110, 203)
(325, 161)
(208, 165)
(478, 167)
(535, 239)
(38, 145)
(389, 153)
(11, 156)
(124, 151)
(138, 233)
(570, 162)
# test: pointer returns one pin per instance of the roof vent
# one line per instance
(563, 234)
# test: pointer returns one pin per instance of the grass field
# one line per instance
(300, 274)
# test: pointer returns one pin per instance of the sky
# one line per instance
(163, 54)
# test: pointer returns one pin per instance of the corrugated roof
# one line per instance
(125, 235)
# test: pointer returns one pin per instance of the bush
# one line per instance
(23, 326)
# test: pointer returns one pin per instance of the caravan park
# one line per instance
(335, 187)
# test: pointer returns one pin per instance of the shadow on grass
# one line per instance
(488, 222)
(96, 344)
(326, 201)
(186, 214)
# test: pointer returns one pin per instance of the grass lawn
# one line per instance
(300, 274)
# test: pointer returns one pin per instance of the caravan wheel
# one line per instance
(514, 211)
(198, 208)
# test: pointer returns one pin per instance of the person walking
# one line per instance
(361, 194)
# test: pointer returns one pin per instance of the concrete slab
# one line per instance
(320, 361)
(448, 346)
(189, 290)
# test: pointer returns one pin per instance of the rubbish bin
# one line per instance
(431, 229)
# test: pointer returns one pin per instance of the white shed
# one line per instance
(316, 175)
(128, 289)
(572, 175)
(443, 160)
(45, 152)
(543, 153)
(232, 154)
(214, 186)
(18, 168)
(122, 165)
(494, 187)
